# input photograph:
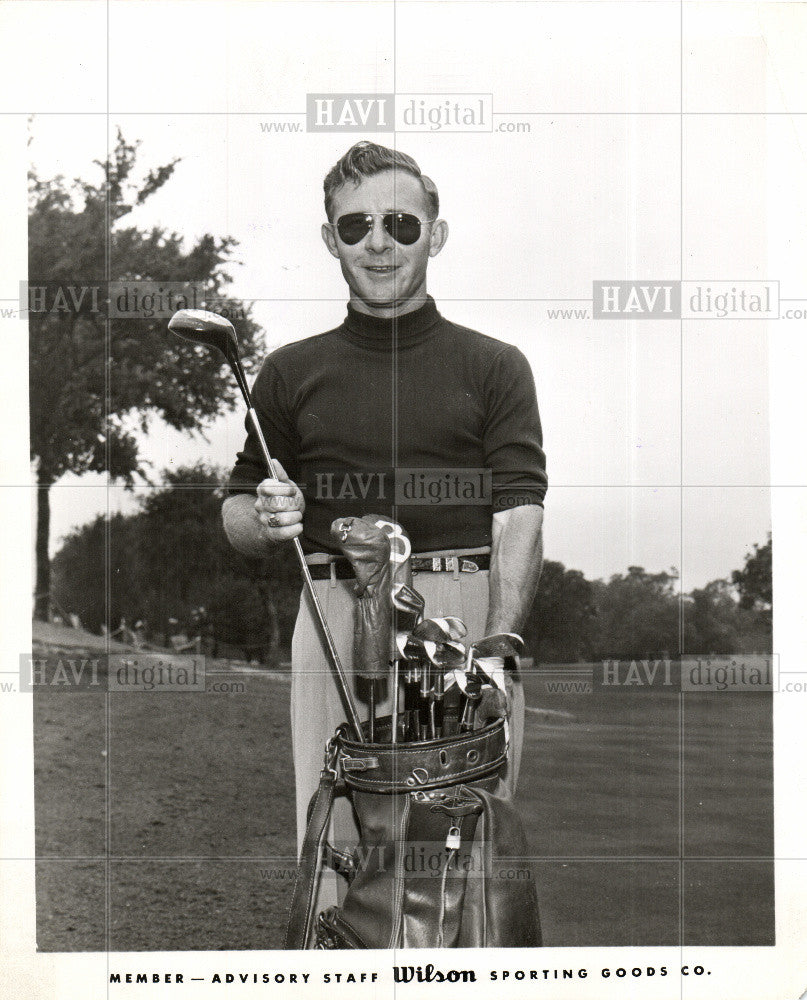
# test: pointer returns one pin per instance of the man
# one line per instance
(395, 386)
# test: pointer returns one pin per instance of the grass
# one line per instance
(642, 820)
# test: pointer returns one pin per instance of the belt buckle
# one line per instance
(469, 566)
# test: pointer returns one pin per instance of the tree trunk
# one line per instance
(42, 589)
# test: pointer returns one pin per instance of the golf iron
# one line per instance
(212, 330)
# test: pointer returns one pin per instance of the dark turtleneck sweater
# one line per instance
(351, 412)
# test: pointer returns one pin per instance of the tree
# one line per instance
(559, 627)
(722, 625)
(755, 581)
(712, 614)
(94, 575)
(95, 381)
(171, 558)
(638, 615)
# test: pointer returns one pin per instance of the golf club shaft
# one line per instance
(425, 685)
(211, 330)
(395, 679)
(410, 702)
(439, 704)
(416, 682)
(344, 687)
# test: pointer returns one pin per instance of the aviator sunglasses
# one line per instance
(401, 226)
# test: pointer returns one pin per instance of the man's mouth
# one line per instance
(381, 268)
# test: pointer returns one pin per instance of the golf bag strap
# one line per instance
(302, 903)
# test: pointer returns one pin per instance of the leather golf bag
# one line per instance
(441, 858)
(441, 861)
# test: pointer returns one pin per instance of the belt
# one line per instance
(342, 569)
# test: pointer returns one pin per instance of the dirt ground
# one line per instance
(166, 821)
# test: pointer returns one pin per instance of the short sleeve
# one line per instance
(513, 438)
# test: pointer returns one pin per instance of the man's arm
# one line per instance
(516, 559)
(513, 444)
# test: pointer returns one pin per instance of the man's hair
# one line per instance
(366, 159)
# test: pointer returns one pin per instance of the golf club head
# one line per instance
(499, 644)
(431, 630)
(406, 598)
(454, 626)
(420, 649)
(450, 654)
(208, 328)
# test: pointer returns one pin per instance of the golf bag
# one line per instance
(441, 859)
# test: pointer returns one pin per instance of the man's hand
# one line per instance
(279, 507)
(495, 703)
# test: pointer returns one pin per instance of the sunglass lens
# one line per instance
(354, 227)
(403, 228)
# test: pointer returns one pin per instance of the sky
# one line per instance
(657, 432)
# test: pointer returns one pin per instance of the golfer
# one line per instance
(394, 389)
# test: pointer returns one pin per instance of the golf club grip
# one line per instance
(347, 699)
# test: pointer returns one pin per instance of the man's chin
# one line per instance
(388, 300)
(385, 307)
(383, 303)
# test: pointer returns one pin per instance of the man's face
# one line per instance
(385, 278)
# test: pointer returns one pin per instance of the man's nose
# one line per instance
(378, 239)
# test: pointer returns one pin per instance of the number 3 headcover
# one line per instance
(367, 546)
(379, 551)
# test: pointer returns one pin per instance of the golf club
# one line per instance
(411, 688)
(473, 695)
(439, 704)
(395, 685)
(202, 327)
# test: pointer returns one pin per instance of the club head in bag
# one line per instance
(431, 630)
(407, 599)
(499, 644)
(450, 655)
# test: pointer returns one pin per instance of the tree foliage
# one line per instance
(172, 558)
(755, 580)
(638, 615)
(561, 624)
(96, 381)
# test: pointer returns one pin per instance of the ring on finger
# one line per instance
(273, 521)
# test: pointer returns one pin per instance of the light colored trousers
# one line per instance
(316, 707)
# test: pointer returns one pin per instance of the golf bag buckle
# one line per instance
(359, 763)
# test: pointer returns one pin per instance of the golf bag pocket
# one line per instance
(441, 859)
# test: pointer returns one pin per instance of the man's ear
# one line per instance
(329, 239)
(439, 235)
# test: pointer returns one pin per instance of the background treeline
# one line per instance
(171, 561)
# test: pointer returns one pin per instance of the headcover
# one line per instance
(407, 603)
(367, 547)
